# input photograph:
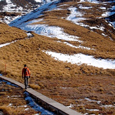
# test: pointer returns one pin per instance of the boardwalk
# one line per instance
(47, 102)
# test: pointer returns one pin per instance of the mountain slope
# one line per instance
(11, 9)
(70, 54)
(54, 23)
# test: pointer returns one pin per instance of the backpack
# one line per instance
(25, 71)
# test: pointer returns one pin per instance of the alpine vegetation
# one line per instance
(69, 47)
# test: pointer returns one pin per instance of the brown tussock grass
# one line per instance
(62, 81)
(103, 46)
(12, 102)
(5, 110)
(2, 14)
(8, 34)
(36, 87)
(29, 51)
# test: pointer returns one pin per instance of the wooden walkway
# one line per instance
(47, 102)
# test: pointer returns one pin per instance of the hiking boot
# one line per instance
(26, 87)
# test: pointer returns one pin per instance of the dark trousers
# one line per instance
(26, 81)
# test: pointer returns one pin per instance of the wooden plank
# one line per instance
(61, 109)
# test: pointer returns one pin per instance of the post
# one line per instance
(5, 68)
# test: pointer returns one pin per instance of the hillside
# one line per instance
(12, 9)
(70, 53)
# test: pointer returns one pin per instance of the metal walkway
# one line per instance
(47, 102)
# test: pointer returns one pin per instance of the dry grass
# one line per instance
(24, 3)
(36, 87)
(74, 91)
(2, 14)
(12, 101)
(64, 82)
(8, 34)
(103, 46)
(61, 81)
(29, 51)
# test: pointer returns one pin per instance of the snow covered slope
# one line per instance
(78, 14)
(34, 14)
(16, 8)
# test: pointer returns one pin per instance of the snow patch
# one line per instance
(107, 14)
(76, 17)
(5, 44)
(82, 47)
(38, 0)
(84, 7)
(83, 59)
(92, 109)
(113, 23)
(90, 100)
(108, 106)
(92, 1)
(50, 31)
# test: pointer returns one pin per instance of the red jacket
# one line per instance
(25, 72)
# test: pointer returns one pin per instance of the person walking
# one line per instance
(25, 75)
